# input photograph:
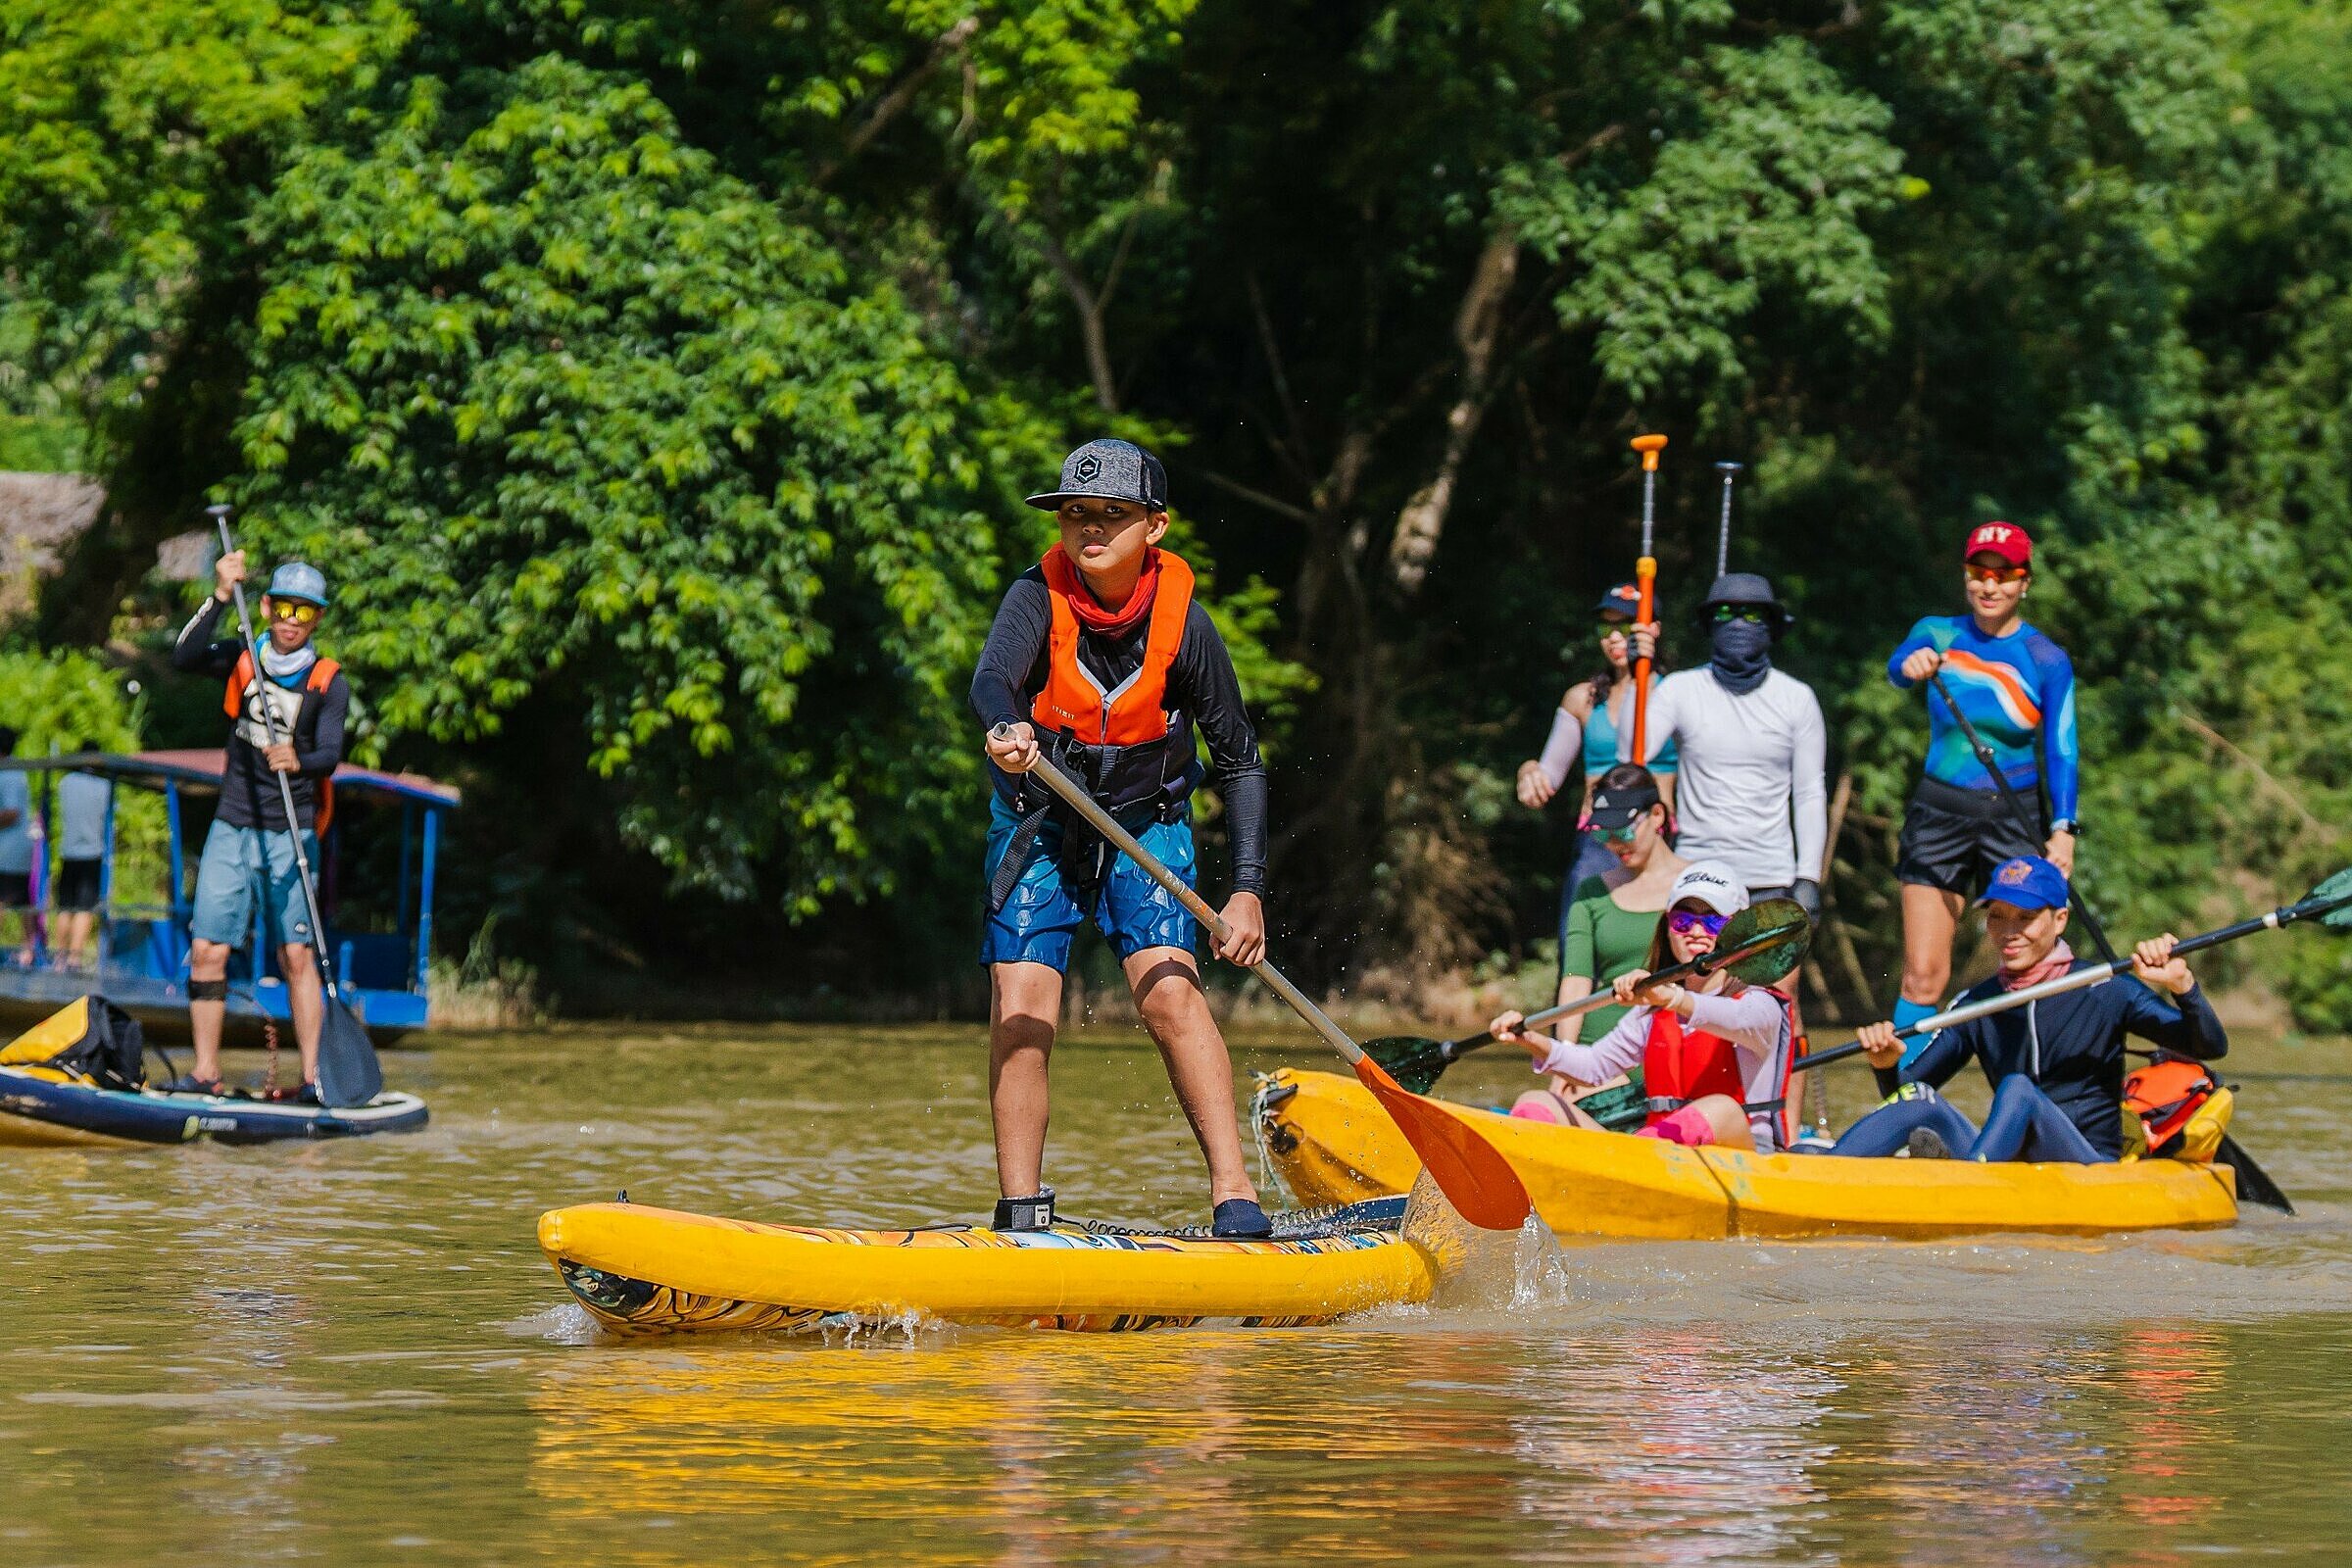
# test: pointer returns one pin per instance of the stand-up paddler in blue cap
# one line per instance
(249, 851)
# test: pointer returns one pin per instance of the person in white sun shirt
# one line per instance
(1753, 751)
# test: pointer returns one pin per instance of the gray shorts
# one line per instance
(241, 865)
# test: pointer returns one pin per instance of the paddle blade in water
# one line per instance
(1475, 1179)
(1782, 918)
(1414, 1062)
(349, 1074)
(2339, 886)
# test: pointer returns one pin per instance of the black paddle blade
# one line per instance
(349, 1074)
(1414, 1062)
(1760, 922)
(2254, 1183)
(2339, 886)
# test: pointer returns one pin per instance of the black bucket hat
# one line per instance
(1745, 588)
(1110, 469)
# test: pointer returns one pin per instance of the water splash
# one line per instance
(1482, 1269)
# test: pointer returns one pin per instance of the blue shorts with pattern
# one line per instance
(1039, 917)
(244, 864)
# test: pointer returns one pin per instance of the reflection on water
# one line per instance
(354, 1354)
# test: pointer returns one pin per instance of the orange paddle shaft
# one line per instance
(1646, 574)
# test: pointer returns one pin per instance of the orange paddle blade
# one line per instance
(1476, 1180)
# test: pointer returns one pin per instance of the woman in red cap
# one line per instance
(2016, 688)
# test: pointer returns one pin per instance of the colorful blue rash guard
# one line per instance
(2011, 688)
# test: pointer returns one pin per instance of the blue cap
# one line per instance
(1623, 600)
(2028, 882)
(299, 580)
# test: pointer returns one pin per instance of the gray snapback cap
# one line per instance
(1110, 469)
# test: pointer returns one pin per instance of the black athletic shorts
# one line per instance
(16, 890)
(1956, 838)
(77, 884)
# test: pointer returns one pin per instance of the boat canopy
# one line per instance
(200, 771)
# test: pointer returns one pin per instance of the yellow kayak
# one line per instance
(1333, 1145)
(641, 1269)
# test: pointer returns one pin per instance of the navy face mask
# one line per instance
(1743, 656)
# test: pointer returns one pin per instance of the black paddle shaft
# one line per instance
(2017, 808)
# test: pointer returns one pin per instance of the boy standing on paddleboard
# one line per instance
(1101, 656)
(249, 851)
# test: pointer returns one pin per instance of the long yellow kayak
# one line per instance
(641, 1269)
(1332, 1145)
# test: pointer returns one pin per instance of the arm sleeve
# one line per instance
(1752, 1021)
(1612, 1053)
(1015, 639)
(1561, 747)
(1201, 680)
(2186, 1027)
(1808, 788)
(195, 653)
(1921, 636)
(1659, 722)
(2061, 760)
(326, 738)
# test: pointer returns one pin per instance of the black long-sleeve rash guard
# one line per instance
(249, 796)
(1200, 684)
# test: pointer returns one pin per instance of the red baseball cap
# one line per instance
(2003, 539)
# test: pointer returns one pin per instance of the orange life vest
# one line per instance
(1072, 702)
(1680, 1065)
(1124, 745)
(321, 675)
(2165, 1093)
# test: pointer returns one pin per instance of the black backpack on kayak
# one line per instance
(88, 1038)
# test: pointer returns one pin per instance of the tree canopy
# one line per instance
(658, 384)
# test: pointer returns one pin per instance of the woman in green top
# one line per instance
(1612, 918)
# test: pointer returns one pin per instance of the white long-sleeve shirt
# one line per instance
(1753, 1021)
(1750, 791)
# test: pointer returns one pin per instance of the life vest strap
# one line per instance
(1668, 1105)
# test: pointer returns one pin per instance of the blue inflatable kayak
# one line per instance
(37, 1109)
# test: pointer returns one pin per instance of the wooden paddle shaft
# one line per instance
(1103, 823)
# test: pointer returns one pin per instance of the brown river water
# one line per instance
(355, 1353)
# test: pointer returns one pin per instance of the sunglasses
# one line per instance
(1999, 573)
(1613, 628)
(1682, 922)
(293, 609)
(1756, 615)
(1619, 835)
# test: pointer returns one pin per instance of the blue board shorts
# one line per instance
(241, 865)
(1039, 917)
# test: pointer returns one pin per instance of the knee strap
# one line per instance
(207, 990)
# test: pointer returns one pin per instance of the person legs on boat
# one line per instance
(1895, 1125)
(85, 802)
(243, 868)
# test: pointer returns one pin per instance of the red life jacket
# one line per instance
(1680, 1065)
(321, 675)
(1123, 742)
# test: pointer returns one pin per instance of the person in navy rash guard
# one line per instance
(2056, 1063)
(2017, 688)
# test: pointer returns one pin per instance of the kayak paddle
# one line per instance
(349, 1074)
(2331, 903)
(1760, 944)
(1482, 1187)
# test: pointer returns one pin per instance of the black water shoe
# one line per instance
(1926, 1143)
(188, 1083)
(1025, 1213)
(1239, 1219)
